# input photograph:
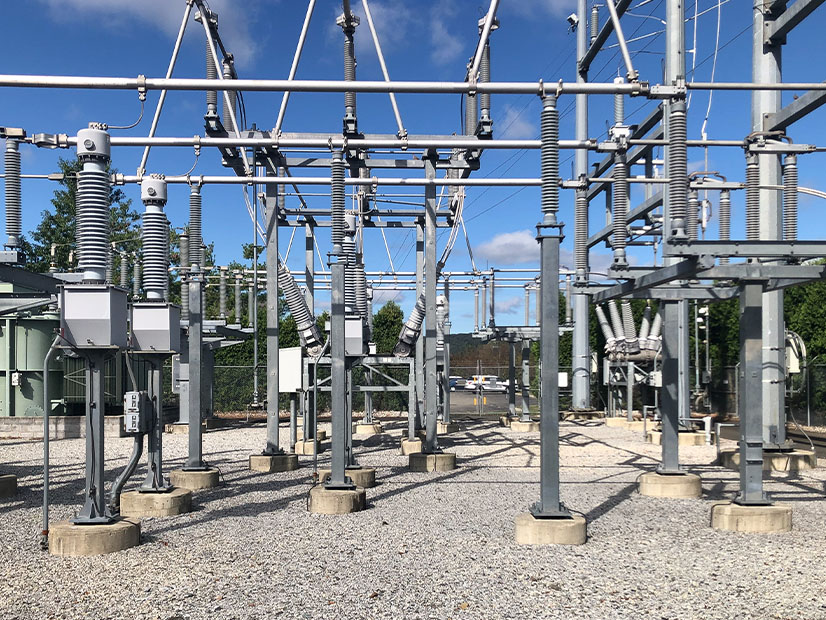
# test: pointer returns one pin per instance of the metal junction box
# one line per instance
(93, 316)
(290, 369)
(353, 336)
(136, 412)
(156, 327)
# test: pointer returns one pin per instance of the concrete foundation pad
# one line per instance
(524, 427)
(426, 463)
(533, 531)
(793, 460)
(679, 486)
(751, 519)
(505, 420)
(69, 539)
(194, 480)
(270, 463)
(307, 448)
(138, 505)
(321, 434)
(685, 438)
(364, 477)
(583, 414)
(8, 485)
(636, 425)
(326, 501)
(368, 430)
(179, 429)
(443, 428)
(411, 446)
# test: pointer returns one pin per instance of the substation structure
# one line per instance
(97, 319)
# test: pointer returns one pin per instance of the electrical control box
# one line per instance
(655, 379)
(93, 316)
(156, 327)
(136, 412)
(353, 335)
(290, 367)
(16, 379)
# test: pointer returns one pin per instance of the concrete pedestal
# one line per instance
(8, 485)
(505, 420)
(445, 428)
(680, 486)
(180, 429)
(425, 463)
(364, 477)
(269, 463)
(76, 540)
(337, 501)
(685, 438)
(583, 414)
(533, 531)
(636, 425)
(793, 460)
(194, 480)
(368, 430)
(321, 434)
(751, 519)
(307, 448)
(138, 505)
(524, 427)
(411, 446)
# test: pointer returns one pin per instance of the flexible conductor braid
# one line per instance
(550, 158)
(677, 167)
(790, 198)
(14, 226)
(725, 220)
(752, 198)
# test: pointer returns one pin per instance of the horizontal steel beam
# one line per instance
(749, 249)
(641, 210)
(777, 29)
(394, 181)
(678, 271)
(759, 271)
(796, 110)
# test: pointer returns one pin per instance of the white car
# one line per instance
(488, 383)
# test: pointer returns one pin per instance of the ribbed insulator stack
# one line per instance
(238, 279)
(725, 220)
(619, 239)
(14, 226)
(136, 278)
(619, 103)
(550, 159)
(251, 297)
(93, 187)
(195, 235)
(607, 332)
(471, 110)
(233, 97)
(183, 246)
(790, 198)
(362, 303)
(581, 233)
(305, 323)
(484, 76)
(348, 25)
(124, 270)
(594, 22)
(677, 167)
(616, 321)
(411, 329)
(692, 222)
(656, 326)
(645, 325)
(155, 238)
(110, 264)
(211, 74)
(222, 293)
(752, 198)
(631, 342)
(441, 319)
(337, 202)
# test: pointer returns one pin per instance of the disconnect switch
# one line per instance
(136, 412)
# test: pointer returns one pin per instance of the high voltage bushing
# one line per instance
(411, 330)
(337, 202)
(607, 332)
(14, 226)
(196, 250)
(725, 220)
(306, 325)
(677, 168)
(645, 324)
(692, 220)
(790, 198)
(155, 237)
(632, 344)
(93, 187)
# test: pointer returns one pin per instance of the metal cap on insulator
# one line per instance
(93, 143)
(153, 190)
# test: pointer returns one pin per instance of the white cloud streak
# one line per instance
(515, 123)
(511, 248)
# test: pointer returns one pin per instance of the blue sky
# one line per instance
(422, 40)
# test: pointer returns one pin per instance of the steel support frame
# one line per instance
(154, 481)
(272, 443)
(194, 461)
(431, 443)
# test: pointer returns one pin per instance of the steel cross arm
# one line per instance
(29, 279)
(649, 123)
(752, 249)
(634, 155)
(298, 223)
(699, 292)
(512, 333)
(758, 271)
(685, 269)
(776, 30)
(796, 110)
(641, 210)
(602, 37)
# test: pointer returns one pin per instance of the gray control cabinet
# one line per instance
(93, 316)
(156, 327)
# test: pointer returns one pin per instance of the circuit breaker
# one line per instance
(136, 412)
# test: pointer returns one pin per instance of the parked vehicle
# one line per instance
(488, 383)
(456, 382)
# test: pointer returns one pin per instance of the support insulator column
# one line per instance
(136, 277)
(14, 225)
(229, 74)
(692, 221)
(752, 197)
(155, 237)
(222, 293)
(725, 220)
(677, 168)
(93, 187)
(183, 245)
(196, 242)
(790, 198)
(348, 23)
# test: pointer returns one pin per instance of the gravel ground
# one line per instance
(429, 546)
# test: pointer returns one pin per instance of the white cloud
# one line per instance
(554, 7)
(511, 305)
(445, 42)
(515, 123)
(512, 248)
(233, 18)
(382, 296)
